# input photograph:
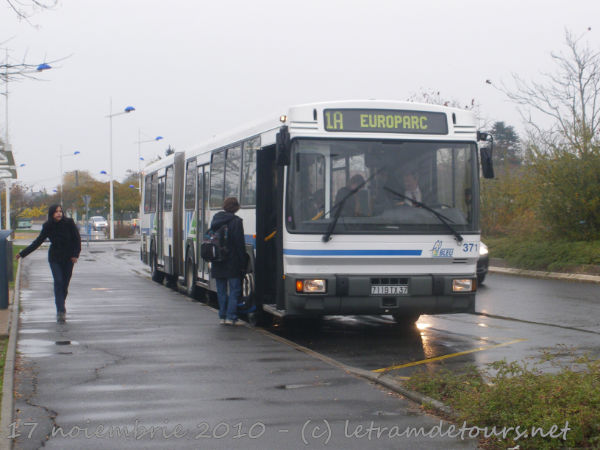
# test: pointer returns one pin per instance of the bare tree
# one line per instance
(435, 97)
(17, 70)
(24, 9)
(570, 97)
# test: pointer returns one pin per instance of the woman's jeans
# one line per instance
(228, 303)
(61, 271)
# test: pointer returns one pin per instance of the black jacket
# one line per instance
(235, 265)
(65, 242)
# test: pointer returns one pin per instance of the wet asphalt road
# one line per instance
(516, 319)
(134, 355)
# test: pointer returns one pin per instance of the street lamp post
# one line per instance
(140, 159)
(127, 110)
(61, 155)
(39, 68)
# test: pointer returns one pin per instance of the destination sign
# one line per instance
(385, 121)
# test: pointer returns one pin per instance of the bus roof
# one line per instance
(308, 119)
(159, 164)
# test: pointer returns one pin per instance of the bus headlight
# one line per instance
(311, 286)
(462, 285)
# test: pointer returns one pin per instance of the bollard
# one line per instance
(6, 266)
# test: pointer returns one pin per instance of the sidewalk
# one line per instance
(546, 275)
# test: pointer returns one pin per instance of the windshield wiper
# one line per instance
(339, 205)
(442, 218)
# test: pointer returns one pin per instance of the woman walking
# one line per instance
(65, 246)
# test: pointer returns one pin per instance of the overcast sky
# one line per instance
(194, 68)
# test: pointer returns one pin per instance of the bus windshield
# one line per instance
(393, 177)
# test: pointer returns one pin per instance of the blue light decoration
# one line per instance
(132, 186)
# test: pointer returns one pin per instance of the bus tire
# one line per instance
(247, 304)
(156, 274)
(406, 320)
(190, 279)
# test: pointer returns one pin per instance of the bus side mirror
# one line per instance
(487, 164)
(283, 147)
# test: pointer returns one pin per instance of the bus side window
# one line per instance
(169, 189)
(217, 179)
(233, 172)
(190, 184)
(154, 193)
(147, 193)
(249, 172)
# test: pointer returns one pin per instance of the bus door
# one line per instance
(160, 238)
(202, 227)
(268, 230)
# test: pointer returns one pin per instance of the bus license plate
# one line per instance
(389, 290)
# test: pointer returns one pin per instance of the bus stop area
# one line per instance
(137, 364)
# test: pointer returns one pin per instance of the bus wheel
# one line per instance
(190, 280)
(248, 305)
(406, 320)
(157, 275)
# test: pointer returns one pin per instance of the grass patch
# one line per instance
(516, 394)
(3, 347)
(551, 255)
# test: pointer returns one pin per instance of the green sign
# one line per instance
(385, 121)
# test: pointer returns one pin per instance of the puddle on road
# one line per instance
(300, 386)
(32, 331)
(40, 347)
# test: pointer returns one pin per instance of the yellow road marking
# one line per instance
(451, 355)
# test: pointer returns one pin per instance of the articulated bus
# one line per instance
(349, 208)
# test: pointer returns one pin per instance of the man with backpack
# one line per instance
(229, 267)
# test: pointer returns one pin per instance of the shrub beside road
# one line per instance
(520, 394)
(546, 254)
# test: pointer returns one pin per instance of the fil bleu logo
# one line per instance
(438, 252)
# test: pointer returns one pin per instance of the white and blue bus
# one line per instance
(349, 207)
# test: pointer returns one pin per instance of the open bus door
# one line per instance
(268, 231)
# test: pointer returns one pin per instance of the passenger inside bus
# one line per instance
(381, 198)
(411, 188)
(357, 204)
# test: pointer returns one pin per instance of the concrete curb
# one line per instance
(382, 379)
(390, 383)
(8, 400)
(546, 275)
